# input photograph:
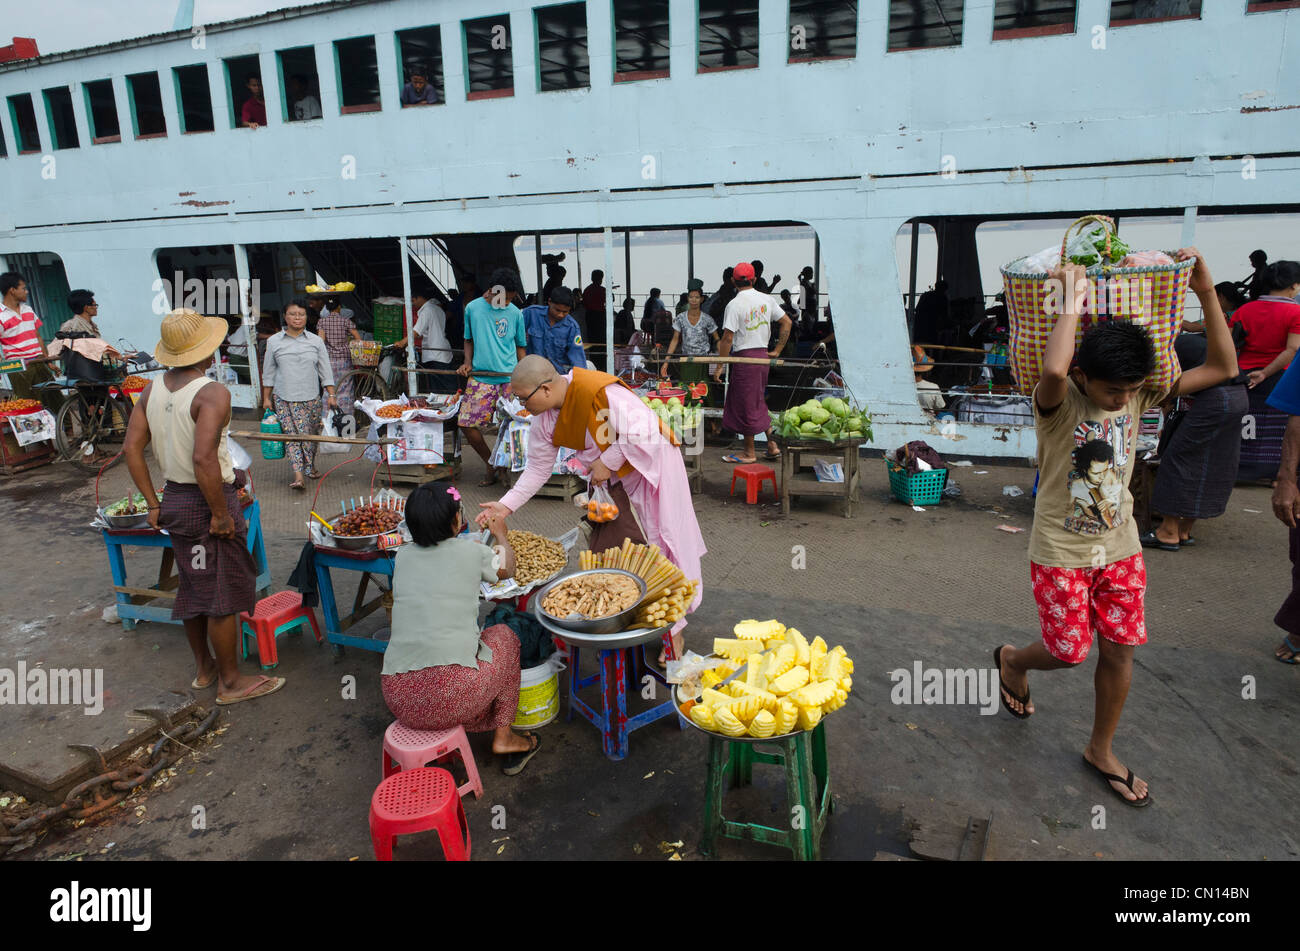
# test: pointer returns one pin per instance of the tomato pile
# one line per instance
(19, 406)
(367, 520)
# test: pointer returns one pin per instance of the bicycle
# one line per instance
(90, 426)
(367, 382)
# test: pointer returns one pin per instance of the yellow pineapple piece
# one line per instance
(702, 716)
(802, 651)
(846, 683)
(809, 717)
(753, 669)
(763, 725)
(758, 630)
(710, 678)
(745, 708)
(769, 699)
(816, 657)
(735, 650)
(814, 694)
(834, 703)
(725, 670)
(714, 698)
(727, 723)
(787, 714)
(773, 642)
(736, 688)
(792, 679)
(779, 661)
(835, 667)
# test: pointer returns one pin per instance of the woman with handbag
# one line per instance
(297, 367)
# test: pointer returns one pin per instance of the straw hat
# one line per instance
(188, 338)
(921, 362)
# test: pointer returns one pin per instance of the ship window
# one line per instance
(919, 24)
(728, 37)
(1012, 18)
(487, 57)
(247, 100)
(63, 126)
(1126, 12)
(24, 120)
(823, 29)
(419, 52)
(562, 61)
(358, 73)
(101, 110)
(299, 84)
(1261, 6)
(194, 98)
(145, 97)
(4, 149)
(640, 40)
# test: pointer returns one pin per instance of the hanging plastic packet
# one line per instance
(600, 505)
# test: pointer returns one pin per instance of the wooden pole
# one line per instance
(299, 437)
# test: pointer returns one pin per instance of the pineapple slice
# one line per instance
(745, 708)
(814, 694)
(714, 698)
(702, 716)
(787, 714)
(763, 725)
(779, 661)
(792, 679)
(809, 717)
(727, 723)
(816, 657)
(834, 703)
(802, 651)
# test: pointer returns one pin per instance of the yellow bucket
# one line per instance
(539, 694)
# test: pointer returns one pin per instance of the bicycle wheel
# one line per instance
(89, 431)
(366, 385)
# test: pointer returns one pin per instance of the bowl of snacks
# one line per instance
(599, 601)
(130, 512)
(359, 529)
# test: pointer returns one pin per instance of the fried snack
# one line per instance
(536, 557)
(592, 596)
(134, 382)
(390, 412)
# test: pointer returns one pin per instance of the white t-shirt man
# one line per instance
(308, 107)
(431, 325)
(749, 317)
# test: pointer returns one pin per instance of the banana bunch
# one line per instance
(790, 683)
(342, 287)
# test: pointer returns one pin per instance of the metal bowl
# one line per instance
(686, 719)
(605, 625)
(360, 542)
(138, 520)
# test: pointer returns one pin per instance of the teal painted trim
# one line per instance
(537, 50)
(464, 56)
(284, 91)
(338, 76)
(230, 96)
(180, 101)
(49, 120)
(130, 107)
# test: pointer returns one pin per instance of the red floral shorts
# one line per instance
(1073, 602)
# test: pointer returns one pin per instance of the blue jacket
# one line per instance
(561, 343)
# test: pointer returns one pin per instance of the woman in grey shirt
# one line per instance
(693, 331)
(297, 366)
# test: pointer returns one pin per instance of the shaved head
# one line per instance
(531, 372)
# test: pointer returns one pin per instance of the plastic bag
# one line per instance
(600, 505)
(332, 424)
(238, 455)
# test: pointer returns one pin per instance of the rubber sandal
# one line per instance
(1188, 542)
(734, 460)
(1023, 701)
(515, 762)
(1127, 781)
(252, 693)
(1294, 659)
(314, 475)
(298, 486)
(1151, 540)
(198, 686)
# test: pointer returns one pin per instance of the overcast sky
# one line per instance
(59, 25)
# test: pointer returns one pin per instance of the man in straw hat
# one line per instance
(622, 442)
(186, 416)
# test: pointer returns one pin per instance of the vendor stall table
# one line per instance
(133, 604)
(620, 660)
(796, 481)
(372, 565)
(15, 458)
(693, 456)
(559, 486)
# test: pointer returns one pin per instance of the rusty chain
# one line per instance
(110, 787)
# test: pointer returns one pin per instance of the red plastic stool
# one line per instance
(753, 476)
(414, 748)
(415, 800)
(271, 617)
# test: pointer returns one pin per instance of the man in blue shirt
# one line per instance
(553, 334)
(494, 342)
(1286, 506)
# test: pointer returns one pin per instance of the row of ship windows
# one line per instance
(727, 39)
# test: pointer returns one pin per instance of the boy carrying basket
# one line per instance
(1085, 556)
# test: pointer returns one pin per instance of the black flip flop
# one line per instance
(1127, 781)
(1151, 540)
(1187, 542)
(516, 762)
(1023, 701)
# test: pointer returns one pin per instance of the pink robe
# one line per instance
(659, 490)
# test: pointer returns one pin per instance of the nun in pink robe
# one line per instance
(658, 489)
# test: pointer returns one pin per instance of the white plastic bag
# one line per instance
(328, 427)
(238, 455)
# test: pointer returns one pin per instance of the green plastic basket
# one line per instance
(917, 488)
(388, 321)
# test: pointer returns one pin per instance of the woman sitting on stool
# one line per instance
(439, 673)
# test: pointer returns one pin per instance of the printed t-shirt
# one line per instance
(695, 337)
(18, 333)
(749, 317)
(1084, 518)
(1267, 322)
(495, 333)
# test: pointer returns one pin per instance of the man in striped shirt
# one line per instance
(19, 339)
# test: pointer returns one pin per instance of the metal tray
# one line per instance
(604, 642)
(605, 625)
(685, 718)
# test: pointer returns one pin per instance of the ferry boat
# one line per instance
(128, 163)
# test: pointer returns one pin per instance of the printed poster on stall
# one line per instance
(418, 443)
(32, 427)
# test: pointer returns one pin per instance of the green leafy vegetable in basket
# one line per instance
(1089, 249)
(131, 505)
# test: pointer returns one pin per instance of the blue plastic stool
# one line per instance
(616, 671)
